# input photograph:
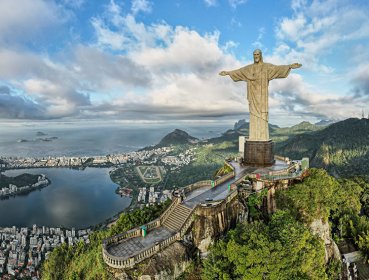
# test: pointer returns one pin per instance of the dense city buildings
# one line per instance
(22, 250)
(151, 156)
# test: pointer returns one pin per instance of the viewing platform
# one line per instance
(129, 248)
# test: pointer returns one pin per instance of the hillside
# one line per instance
(342, 148)
(177, 137)
(277, 133)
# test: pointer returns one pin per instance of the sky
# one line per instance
(139, 60)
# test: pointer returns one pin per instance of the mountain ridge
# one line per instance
(342, 147)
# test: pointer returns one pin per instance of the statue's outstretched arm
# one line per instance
(223, 73)
(295, 65)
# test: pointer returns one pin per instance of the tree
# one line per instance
(281, 249)
(314, 198)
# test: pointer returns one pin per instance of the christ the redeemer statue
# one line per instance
(257, 76)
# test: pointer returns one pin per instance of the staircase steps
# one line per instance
(177, 217)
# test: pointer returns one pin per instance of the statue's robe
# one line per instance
(257, 77)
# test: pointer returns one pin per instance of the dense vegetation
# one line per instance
(341, 148)
(281, 246)
(281, 249)
(209, 158)
(343, 202)
(85, 261)
(177, 137)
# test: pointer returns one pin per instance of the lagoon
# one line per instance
(75, 198)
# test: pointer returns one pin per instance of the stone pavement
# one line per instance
(132, 246)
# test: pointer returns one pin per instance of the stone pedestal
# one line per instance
(258, 153)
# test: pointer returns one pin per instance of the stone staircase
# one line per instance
(177, 217)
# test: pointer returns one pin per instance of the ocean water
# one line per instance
(91, 139)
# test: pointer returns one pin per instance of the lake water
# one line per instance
(78, 198)
(75, 198)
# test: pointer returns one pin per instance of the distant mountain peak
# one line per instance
(239, 124)
(303, 125)
(177, 137)
(325, 122)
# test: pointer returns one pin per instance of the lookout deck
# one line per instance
(129, 248)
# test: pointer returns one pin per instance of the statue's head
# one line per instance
(258, 56)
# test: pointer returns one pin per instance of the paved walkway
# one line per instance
(133, 246)
(220, 191)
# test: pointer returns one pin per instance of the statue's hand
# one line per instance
(223, 73)
(295, 65)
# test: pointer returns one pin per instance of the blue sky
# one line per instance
(159, 60)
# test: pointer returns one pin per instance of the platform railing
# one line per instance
(125, 262)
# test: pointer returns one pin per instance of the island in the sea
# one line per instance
(40, 137)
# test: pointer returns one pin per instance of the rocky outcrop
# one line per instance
(213, 221)
(322, 229)
(166, 265)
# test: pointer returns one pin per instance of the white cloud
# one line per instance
(210, 3)
(23, 20)
(235, 3)
(316, 28)
(141, 6)
(106, 37)
(116, 31)
(294, 97)
(55, 85)
(298, 4)
(316, 32)
(229, 45)
(187, 51)
(183, 65)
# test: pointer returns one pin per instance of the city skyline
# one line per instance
(140, 60)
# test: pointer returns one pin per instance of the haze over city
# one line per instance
(156, 60)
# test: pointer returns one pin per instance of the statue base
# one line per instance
(258, 153)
